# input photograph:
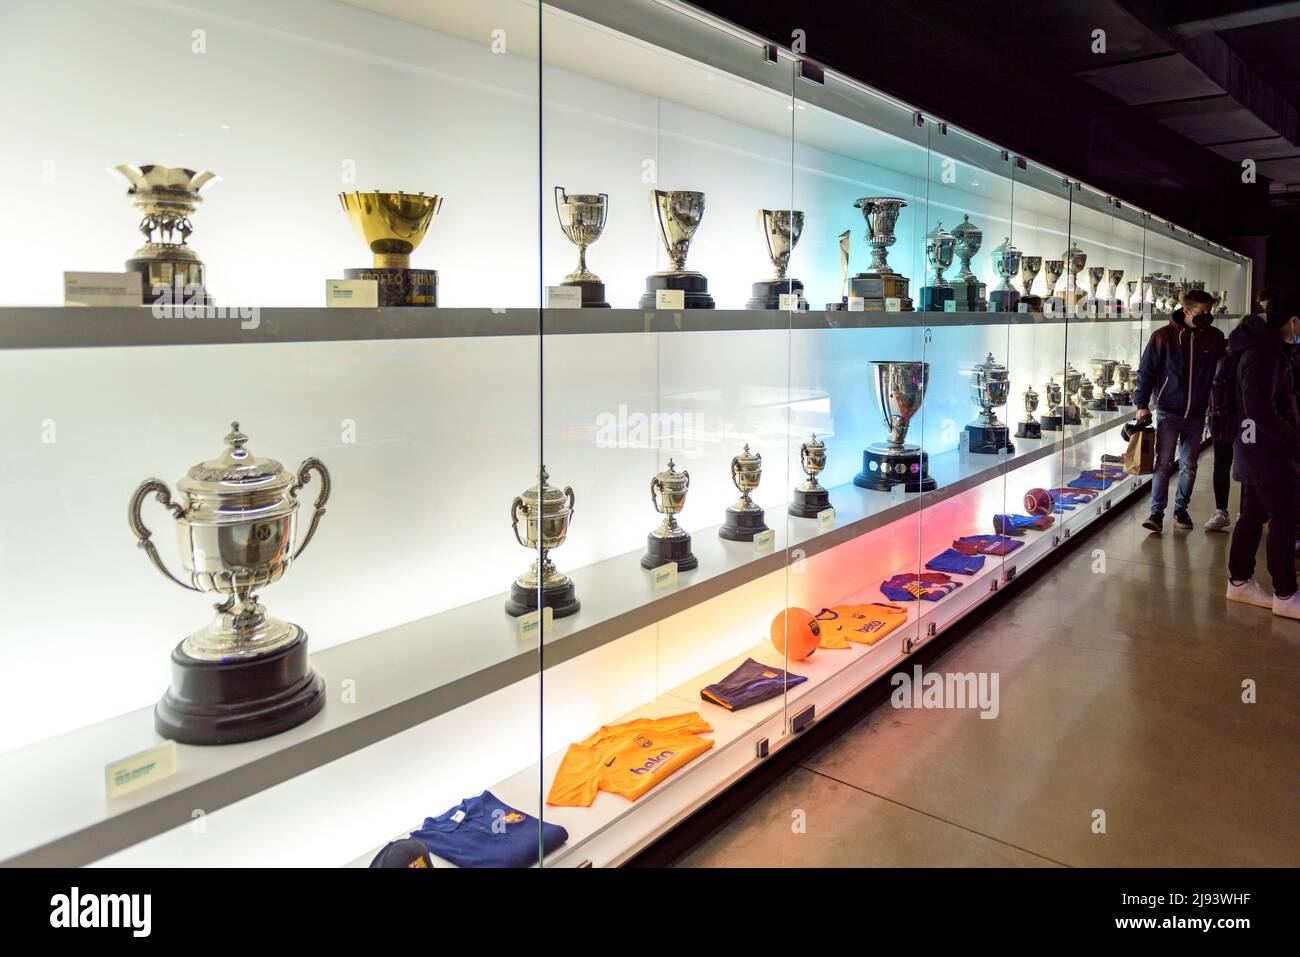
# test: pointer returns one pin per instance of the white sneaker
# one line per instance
(1253, 593)
(1287, 607)
(1218, 521)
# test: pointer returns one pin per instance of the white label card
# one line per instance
(789, 302)
(826, 518)
(950, 305)
(893, 304)
(563, 297)
(764, 541)
(856, 304)
(139, 770)
(670, 299)
(528, 624)
(352, 293)
(102, 289)
(665, 576)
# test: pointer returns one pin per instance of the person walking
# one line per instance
(1266, 456)
(1176, 374)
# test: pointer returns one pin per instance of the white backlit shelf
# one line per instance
(121, 326)
(412, 673)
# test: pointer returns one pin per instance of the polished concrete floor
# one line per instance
(1120, 705)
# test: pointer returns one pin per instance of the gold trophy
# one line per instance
(166, 196)
(547, 513)
(393, 225)
(246, 674)
(669, 542)
(744, 519)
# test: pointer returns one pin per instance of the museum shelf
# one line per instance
(419, 670)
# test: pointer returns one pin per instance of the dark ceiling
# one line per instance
(1184, 91)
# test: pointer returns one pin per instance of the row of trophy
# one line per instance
(393, 224)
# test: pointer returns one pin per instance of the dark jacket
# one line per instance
(1266, 403)
(1177, 368)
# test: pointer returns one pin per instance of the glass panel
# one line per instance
(294, 105)
(676, 397)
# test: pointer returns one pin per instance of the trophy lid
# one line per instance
(991, 368)
(551, 498)
(938, 233)
(671, 477)
(748, 458)
(237, 471)
(967, 230)
(814, 442)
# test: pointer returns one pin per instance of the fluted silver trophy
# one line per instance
(880, 282)
(780, 229)
(900, 390)
(969, 294)
(678, 213)
(939, 248)
(582, 218)
(990, 388)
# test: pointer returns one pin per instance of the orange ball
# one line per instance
(797, 629)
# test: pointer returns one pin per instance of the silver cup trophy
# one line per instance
(1006, 261)
(939, 248)
(780, 229)
(1075, 260)
(245, 675)
(669, 542)
(900, 390)
(810, 498)
(170, 270)
(1122, 392)
(582, 219)
(1114, 305)
(744, 519)
(547, 513)
(990, 387)
(1054, 417)
(1103, 376)
(678, 213)
(1069, 381)
(1030, 266)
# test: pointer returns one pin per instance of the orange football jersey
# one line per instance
(865, 624)
(628, 758)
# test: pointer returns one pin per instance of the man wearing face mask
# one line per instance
(1266, 456)
(1176, 375)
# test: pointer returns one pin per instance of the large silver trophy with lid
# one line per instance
(582, 219)
(900, 390)
(939, 247)
(245, 675)
(669, 542)
(547, 512)
(990, 388)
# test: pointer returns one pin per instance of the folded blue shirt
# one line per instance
(750, 683)
(955, 562)
(485, 832)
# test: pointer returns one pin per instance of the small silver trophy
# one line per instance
(744, 519)
(669, 542)
(780, 229)
(547, 512)
(810, 498)
(1029, 427)
(678, 213)
(582, 219)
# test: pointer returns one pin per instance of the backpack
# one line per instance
(1224, 415)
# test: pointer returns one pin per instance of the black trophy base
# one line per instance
(661, 551)
(177, 282)
(1104, 404)
(988, 439)
(562, 600)
(742, 526)
(694, 287)
(401, 287)
(809, 504)
(882, 470)
(593, 294)
(225, 702)
(767, 294)
(1071, 415)
(1029, 429)
(1003, 300)
(935, 298)
(1051, 423)
(969, 297)
(1123, 398)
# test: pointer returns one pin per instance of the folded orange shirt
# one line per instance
(628, 759)
(864, 624)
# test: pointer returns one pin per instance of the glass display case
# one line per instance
(641, 390)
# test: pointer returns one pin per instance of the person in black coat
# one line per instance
(1266, 455)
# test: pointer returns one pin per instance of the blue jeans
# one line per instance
(1178, 444)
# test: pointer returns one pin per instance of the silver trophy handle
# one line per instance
(318, 508)
(655, 484)
(735, 474)
(568, 490)
(559, 193)
(803, 457)
(514, 519)
(143, 535)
